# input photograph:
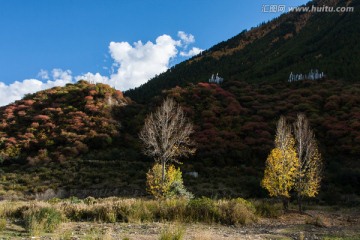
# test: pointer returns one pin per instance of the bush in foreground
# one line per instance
(270, 209)
(40, 218)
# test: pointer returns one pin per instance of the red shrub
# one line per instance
(41, 118)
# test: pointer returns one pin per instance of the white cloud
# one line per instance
(132, 66)
(140, 62)
(43, 74)
(194, 51)
(61, 76)
(93, 78)
(16, 90)
(186, 38)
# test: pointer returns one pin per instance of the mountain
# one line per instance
(294, 42)
(82, 139)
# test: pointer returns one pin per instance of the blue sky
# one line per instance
(54, 42)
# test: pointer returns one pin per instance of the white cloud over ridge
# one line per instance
(192, 52)
(16, 90)
(133, 65)
(186, 38)
(141, 62)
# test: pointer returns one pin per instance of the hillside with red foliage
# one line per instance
(59, 123)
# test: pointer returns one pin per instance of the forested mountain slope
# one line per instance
(294, 42)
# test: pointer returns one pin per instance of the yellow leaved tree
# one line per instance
(282, 164)
(171, 186)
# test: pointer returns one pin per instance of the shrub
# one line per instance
(105, 213)
(171, 187)
(38, 219)
(202, 209)
(177, 189)
(172, 210)
(236, 211)
(76, 212)
(249, 205)
(268, 209)
(142, 211)
(132, 210)
(10, 209)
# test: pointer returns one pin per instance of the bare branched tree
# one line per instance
(310, 163)
(166, 134)
(283, 134)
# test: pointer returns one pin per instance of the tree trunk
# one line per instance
(300, 204)
(285, 203)
(163, 171)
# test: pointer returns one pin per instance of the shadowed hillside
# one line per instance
(294, 42)
(235, 128)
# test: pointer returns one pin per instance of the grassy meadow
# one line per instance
(200, 218)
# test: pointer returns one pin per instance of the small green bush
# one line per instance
(202, 209)
(171, 187)
(251, 207)
(41, 219)
(177, 189)
(268, 209)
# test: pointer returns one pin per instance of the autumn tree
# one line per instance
(8, 150)
(172, 186)
(308, 176)
(166, 135)
(281, 164)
